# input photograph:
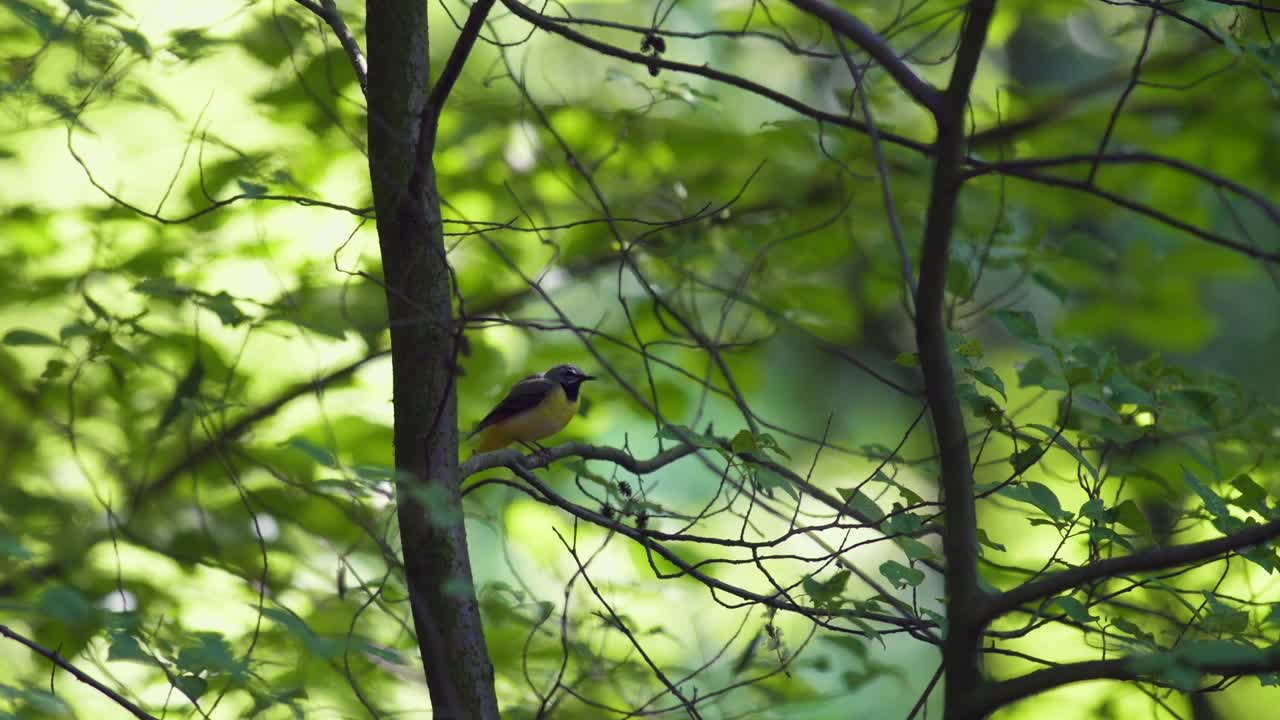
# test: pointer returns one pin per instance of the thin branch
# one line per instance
(646, 539)
(882, 169)
(61, 662)
(1161, 217)
(619, 624)
(509, 457)
(552, 25)
(1154, 559)
(330, 15)
(1134, 76)
(210, 448)
(453, 66)
(999, 694)
(851, 27)
(1130, 158)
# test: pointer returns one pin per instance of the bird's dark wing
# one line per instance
(524, 395)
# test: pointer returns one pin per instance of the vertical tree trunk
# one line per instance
(418, 287)
(961, 651)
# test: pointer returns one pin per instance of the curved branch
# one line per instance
(453, 66)
(509, 458)
(875, 46)
(1154, 559)
(646, 539)
(552, 25)
(1140, 209)
(999, 694)
(1129, 158)
(960, 650)
(327, 10)
(78, 674)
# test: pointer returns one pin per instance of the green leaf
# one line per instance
(988, 377)
(1222, 618)
(767, 479)
(1219, 652)
(1037, 373)
(1130, 628)
(23, 336)
(212, 655)
(320, 455)
(1095, 509)
(900, 575)
(325, 648)
(908, 360)
(902, 523)
(191, 686)
(1036, 494)
(768, 442)
(1061, 441)
(385, 653)
(1020, 324)
(915, 549)
(988, 542)
(224, 306)
(1166, 668)
(11, 546)
(135, 40)
(68, 605)
(162, 287)
(1131, 516)
(188, 389)
(969, 349)
(959, 279)
(908, 494)
(125, 647)
(745, 442)
(864, 507)
(1026, 458)
(94, 8)
(1212, 501)
(252, 190)
(1252, 496)
(825, 594)
(1074, 609)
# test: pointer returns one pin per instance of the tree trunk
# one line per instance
(423, 342)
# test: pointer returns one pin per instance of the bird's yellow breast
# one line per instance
(543, 420)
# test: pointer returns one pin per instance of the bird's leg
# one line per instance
(535, 448)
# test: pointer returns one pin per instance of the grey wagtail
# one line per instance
(537, 407)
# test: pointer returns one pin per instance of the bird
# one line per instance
(537, 407)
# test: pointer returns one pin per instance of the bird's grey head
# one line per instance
(570, 376)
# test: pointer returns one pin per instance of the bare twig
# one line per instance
(78, 674)
(851, 27)
(1134, 75)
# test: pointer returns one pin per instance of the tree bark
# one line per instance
(961, 652)
(446, 615)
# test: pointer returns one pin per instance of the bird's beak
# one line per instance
(588, 377)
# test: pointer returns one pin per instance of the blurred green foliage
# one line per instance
(195, 500)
